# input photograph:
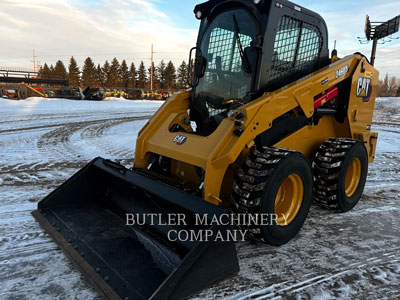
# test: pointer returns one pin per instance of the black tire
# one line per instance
(256, 188)
(22, 94)
(335, 160)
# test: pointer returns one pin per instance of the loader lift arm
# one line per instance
(35, 90)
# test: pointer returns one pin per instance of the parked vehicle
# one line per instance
(69, 93)
(9, 94)
(95, 94)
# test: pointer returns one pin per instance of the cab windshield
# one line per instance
(228, 49)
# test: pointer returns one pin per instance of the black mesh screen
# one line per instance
(223, 46)
(297, 46)
(226, 82)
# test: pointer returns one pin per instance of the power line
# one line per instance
(390, 44)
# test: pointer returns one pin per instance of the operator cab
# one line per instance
(248, 47)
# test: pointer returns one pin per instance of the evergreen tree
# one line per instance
(44, 72)
(100, 76)
(106, 74)
(88, 73)
(181, 76)
(113, 77)
(191, 71)
(132, 76)
(124, 74)
(160, 71)
(142, 79)
(60, 71)
(170, 76)
(51, 72)
(73, 73)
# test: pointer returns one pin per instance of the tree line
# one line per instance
(115, 74)
(166, 76)
(389, 87)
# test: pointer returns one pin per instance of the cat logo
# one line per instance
(364, 88)
(180, 139)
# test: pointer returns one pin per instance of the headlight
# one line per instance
(199, 14)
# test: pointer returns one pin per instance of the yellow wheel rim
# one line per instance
(289, 199)
(353, 177)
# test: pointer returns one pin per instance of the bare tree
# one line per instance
(392, 87)
(388, 87)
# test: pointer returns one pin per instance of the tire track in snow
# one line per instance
(258, 271)
(36, 248)
(30, 265)
(39, 167)
(54, 120)
(288, 288)
(96, 131)
(61, 152)
(56, 143)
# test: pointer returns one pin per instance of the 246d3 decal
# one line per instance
(342, 71)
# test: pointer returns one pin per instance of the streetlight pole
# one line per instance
(373, 53)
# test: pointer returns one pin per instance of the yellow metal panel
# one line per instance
(363, 92)
(373, 139)
(217, 152)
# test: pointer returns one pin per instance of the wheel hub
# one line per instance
(289, 199)
(353, 177)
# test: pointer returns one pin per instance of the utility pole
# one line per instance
(34, 61)
(152, 68)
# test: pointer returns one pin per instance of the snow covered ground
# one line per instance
(335, 256)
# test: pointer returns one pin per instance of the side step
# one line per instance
(86, 217)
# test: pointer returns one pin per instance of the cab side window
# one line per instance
(297, 46)
(309, 46)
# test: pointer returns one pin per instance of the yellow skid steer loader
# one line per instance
(271, 122)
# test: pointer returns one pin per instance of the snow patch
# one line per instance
(45, 141)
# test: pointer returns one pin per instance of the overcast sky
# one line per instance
(103, 29)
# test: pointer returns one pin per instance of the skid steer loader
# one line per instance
(271, 122)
